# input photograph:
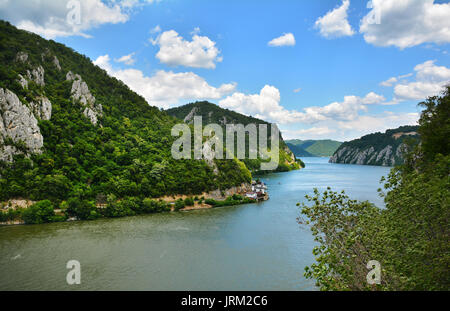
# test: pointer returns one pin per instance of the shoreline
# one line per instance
(219, 196)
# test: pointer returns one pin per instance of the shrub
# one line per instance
(179, 204)
(41, 212)
(189, 202)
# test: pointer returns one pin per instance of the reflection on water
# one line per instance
(249, 247)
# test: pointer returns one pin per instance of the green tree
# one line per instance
(38, 213)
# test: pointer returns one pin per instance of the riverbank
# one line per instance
(22, 211)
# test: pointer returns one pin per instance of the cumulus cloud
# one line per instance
(309, 133)
(335, 24)
(430, 80)
(407, 23)
(174, 50)
(52, 19)
(351, 129)
(126, 59)
(166, 88)
(287, 39)
(266, 105)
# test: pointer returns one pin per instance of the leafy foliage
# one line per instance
(409, 237)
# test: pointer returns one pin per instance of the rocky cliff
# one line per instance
(383, 149)
(19, 130)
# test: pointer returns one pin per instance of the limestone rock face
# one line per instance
(37, 75)
(17, 123)
(56, 63)
(42, 108)
(23, 82)
(80, 92)
(369, 156)
(22, 57)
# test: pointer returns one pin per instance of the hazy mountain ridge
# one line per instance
(313, 148)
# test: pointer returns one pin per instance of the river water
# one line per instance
(248, 247)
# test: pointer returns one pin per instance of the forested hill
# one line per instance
(384, 149)
(68, 131)
(313, 148)
(212, 113)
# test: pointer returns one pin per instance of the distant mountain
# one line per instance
(313, 148)
(212, 113)
(383, 149)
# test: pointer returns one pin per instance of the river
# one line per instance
(248, 247)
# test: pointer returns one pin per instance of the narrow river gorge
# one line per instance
(247, 247)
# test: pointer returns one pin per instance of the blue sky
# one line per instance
(322, 78)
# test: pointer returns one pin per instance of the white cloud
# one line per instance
(407, 23)
(335, 24)
(309, 133)
(287, 39)
(166, 88)
(352, 129)
(379, 123)
(49, 18)
(156, 29)
(429, 81)
(389, 82)
(127, 59)
(266, 105)
(201, 52)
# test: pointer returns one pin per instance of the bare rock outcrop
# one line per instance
(23, 82)
(80, 92)
(42, 108)
(56, 63)
(37, 75)
(21, 57)
(19, 125)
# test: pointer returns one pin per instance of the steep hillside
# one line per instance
(384, 149)
(69, 132)
(212, 113)
(298, 150)
(313, 148)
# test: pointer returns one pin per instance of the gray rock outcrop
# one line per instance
(388, 156)
(42, 108)
(19, 125)
(37, 75)
(80, 92)
(56, 63)
(21, 57)
(23, 82)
